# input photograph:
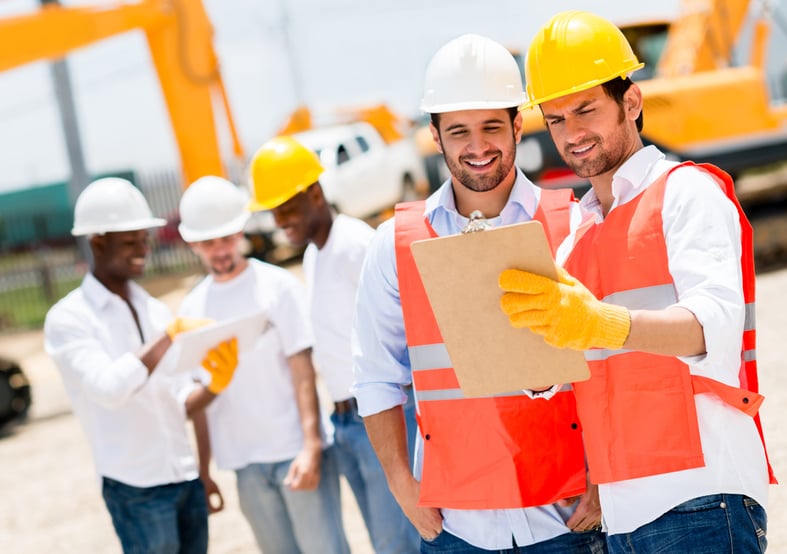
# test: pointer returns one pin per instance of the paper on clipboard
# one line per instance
(460, 275)
(192, 346)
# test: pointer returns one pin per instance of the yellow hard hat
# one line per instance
(575, 51)
(280, 169)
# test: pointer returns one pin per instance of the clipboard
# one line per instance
(460, 276)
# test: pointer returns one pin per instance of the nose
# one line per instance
(574, 130)
(478, 143)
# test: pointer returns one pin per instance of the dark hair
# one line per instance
(435, 117)
(616, 88)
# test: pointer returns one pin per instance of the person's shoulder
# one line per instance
(69, 310)
(267, 273)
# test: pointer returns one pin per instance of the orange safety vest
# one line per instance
(496, 452)
(638, 409)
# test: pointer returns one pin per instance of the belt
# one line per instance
(345, 406)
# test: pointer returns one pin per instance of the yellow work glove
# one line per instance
(221, 362)
(564, 312)
(183, 324)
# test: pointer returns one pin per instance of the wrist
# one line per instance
(615, 326)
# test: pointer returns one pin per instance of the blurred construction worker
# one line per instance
(106, 338)
(285, 179)
(490, 472)
(669, 413)
(266, 426)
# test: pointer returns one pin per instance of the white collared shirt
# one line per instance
(382, 365)
(135, 424)
(702, 233)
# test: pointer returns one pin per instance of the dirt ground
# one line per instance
(50, 496)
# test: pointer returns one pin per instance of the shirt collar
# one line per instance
(629, 180)
(99, 295)
(523, 198)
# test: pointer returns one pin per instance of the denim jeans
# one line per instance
(158, 520)
(291, 522)
(390, 531)
(706, 525)
(586, 542)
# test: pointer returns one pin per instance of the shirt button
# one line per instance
(745, 400)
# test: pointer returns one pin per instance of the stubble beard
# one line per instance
(480, 183)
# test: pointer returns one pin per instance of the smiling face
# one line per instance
(119, 257)
(594, 134)
(479, 147)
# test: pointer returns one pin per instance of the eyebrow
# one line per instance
(485, 122)
(578, 109)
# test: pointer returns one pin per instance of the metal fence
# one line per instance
(43, 261)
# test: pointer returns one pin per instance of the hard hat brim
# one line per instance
(236, 225)
(152, 223)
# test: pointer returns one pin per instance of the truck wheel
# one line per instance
(15, 395)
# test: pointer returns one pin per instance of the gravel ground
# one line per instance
(52, 503)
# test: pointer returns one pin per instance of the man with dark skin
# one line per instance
(285, 179)
(107, 338)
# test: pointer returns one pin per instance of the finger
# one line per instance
(516, 280)
(532, 319)
(513, 302)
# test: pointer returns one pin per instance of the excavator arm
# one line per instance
(179, 35)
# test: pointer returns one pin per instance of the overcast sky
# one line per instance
(343, 52)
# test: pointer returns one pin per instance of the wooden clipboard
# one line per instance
(460, 276)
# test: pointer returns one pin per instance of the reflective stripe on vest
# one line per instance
(497, 452)
(638, 409)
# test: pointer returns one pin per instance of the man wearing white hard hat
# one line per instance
(107, 338)
(495, 474)
(266, 426)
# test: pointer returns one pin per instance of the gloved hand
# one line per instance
(183, 324)
(564, 312)
(221, 362)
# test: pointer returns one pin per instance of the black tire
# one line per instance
(15, 396)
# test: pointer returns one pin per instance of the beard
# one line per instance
(477, 182)
(223, 266)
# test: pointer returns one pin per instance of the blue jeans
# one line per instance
(586, 542)
(706, 525)
(159, 520)
(390, 531)
(289, 522)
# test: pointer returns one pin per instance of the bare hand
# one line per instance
(428, 521)
(304, 473)
(587, 516)
(212, 495)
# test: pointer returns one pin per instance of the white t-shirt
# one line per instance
(135, 423)
(332, 274)
(256, 418)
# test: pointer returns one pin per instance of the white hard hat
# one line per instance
(111, 205)
(472, 72)
(212, 208)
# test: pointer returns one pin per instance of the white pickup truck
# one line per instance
(364, 175)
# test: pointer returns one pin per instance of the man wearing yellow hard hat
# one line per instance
(658, 290)
(285, 179)
(492, 474)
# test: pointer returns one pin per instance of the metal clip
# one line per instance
(476, 222)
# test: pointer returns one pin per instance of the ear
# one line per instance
(518, 127)
(436, 137)
(632, 102)
(98, 245)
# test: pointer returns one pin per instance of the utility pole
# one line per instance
(79, 178)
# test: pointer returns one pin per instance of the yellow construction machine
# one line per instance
(179, 35)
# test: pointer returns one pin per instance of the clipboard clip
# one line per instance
(476, 222)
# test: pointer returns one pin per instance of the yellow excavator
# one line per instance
(179, 35)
